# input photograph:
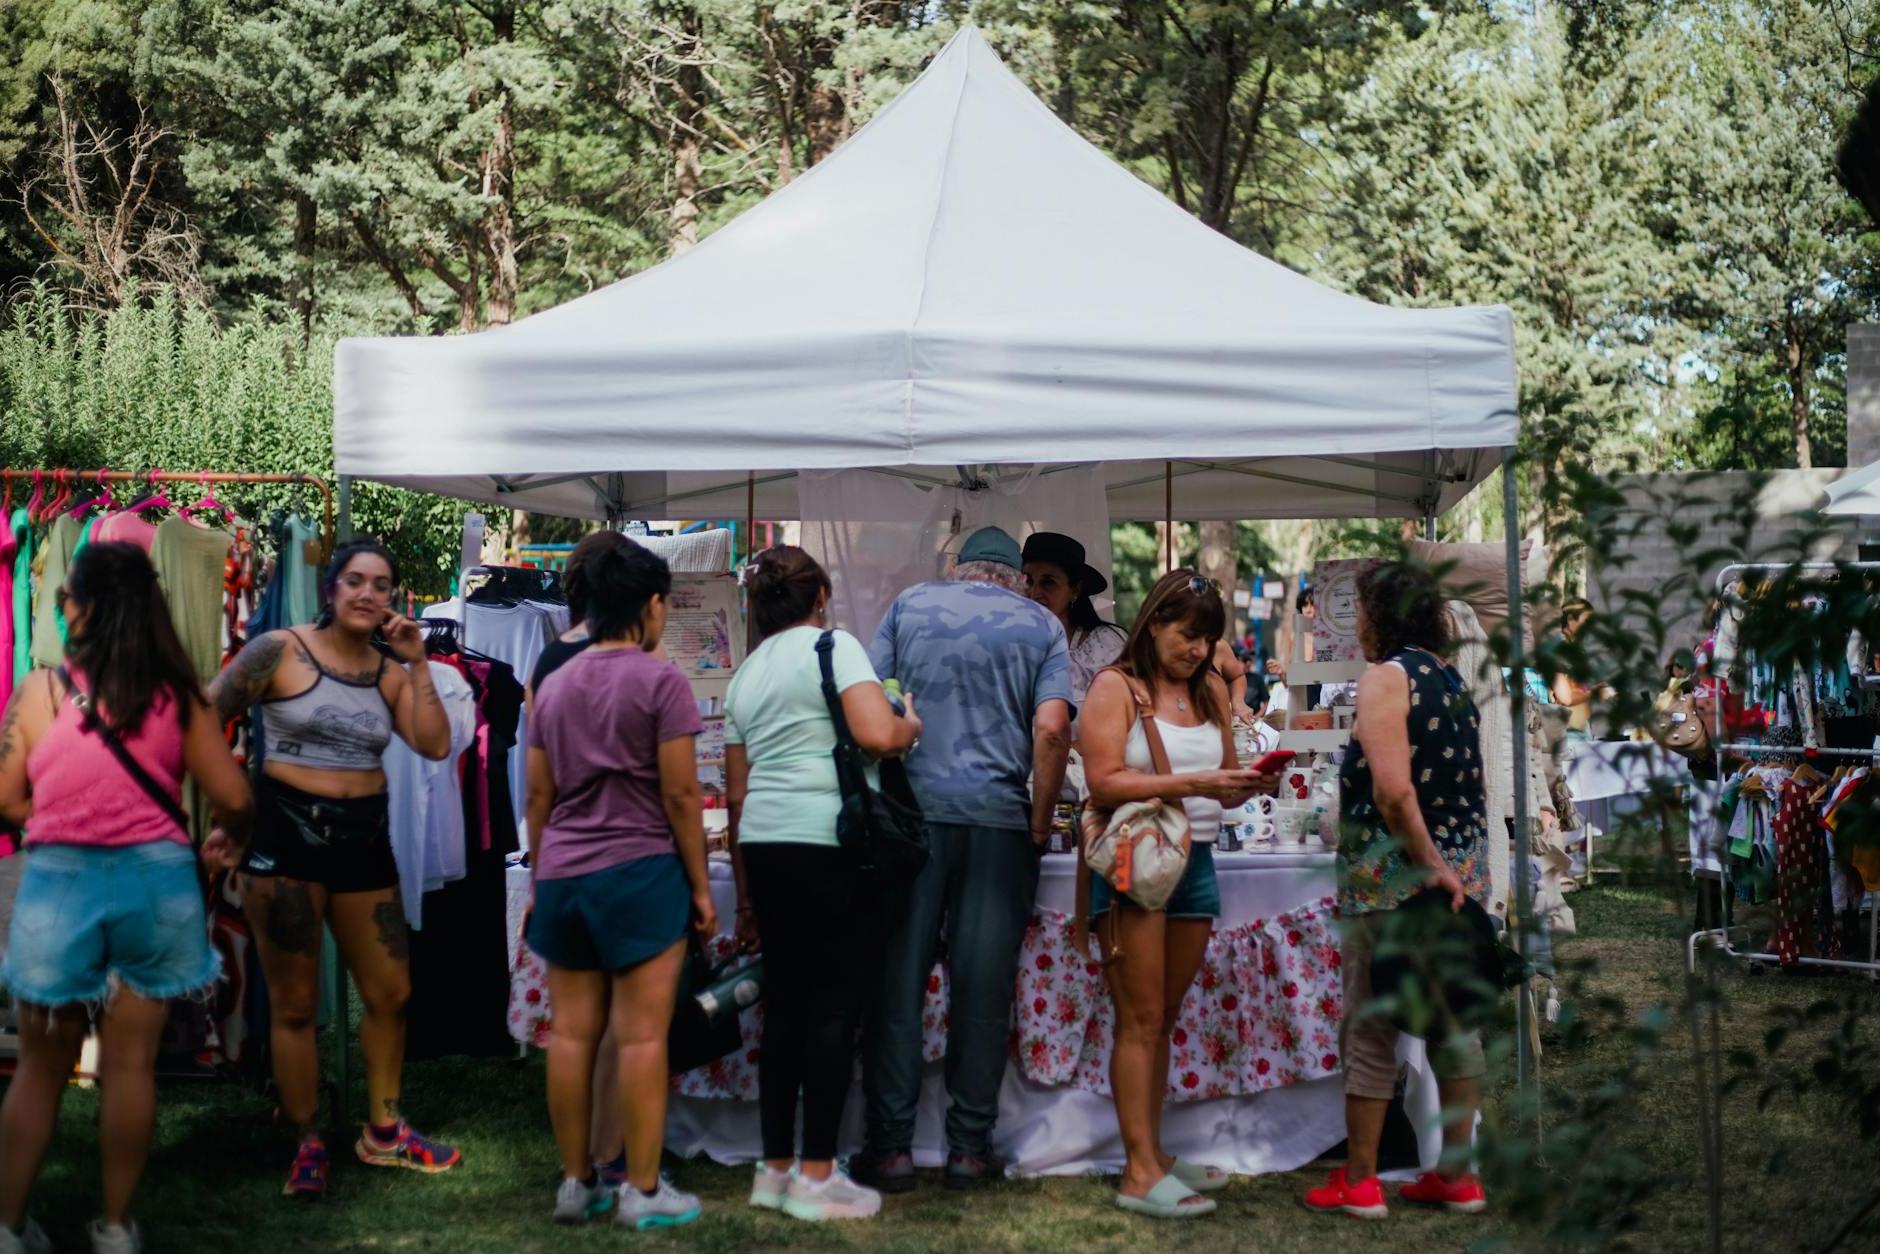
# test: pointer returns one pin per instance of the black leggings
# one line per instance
(810, 918)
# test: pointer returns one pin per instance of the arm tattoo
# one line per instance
(425, 688)
(8, 724)
(393, 934)
(246, 681)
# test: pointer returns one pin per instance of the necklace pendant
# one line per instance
(1181, 703)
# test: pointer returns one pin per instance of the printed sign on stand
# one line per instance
(1335, 599)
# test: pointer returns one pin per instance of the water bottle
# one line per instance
(893, 688)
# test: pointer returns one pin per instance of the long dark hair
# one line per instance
(1083, 615)
(784, 583)
(342, 558)
(574, 576)
(1185, 598)
(129, 651)
(622, 579)
(1403, 605)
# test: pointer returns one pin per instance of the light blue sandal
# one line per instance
(1199, 1178)
(1169, 1199)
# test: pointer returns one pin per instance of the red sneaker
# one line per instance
(1363, 1200)
(1461, 1196)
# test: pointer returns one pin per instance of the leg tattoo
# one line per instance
(293, 925)
(393, 934)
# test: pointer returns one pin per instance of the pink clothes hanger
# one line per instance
(208, 502)
(39, 487)
(101, 497)
(154, 498)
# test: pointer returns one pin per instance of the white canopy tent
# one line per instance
(965, 282)
(1855, 494)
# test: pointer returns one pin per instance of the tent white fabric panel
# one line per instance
(1384, 486)
(966, 281)
(1855, 495)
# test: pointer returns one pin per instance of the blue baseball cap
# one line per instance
(990, 544)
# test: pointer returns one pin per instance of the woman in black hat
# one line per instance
(1058, 578)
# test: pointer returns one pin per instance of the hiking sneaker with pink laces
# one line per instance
(306, 1179)
(408, 1150)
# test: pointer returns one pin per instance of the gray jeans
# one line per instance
(980, 884)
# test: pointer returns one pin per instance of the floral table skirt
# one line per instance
(1263, 1014)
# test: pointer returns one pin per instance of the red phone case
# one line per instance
(1274, 761)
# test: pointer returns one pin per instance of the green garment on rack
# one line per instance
(189, 561)
(48, 622)
(22, 607)
(300, 578)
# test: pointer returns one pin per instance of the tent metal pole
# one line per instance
(1168, 516)
(1517, 702)
(339, 1004)
(750, 515)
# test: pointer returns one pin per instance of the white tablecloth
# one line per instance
(1597, 770)
(1068, 1131)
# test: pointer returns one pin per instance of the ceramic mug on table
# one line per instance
(1259, 823)
(1289, 825)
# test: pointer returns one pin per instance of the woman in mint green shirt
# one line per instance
(797, 889)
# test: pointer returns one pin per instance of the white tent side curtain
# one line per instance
(947, 289)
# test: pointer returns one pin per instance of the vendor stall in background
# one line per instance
(933, 331)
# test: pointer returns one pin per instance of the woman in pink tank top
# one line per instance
(108, 925)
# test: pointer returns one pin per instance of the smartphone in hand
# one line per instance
(1274, 762)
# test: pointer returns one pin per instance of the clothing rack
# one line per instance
(334, 994)
(87, 478)
(1720, 936)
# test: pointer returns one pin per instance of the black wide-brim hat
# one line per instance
(1060, 550)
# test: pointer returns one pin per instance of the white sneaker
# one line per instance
(115, 1238)
(769, 1187)
(667, 1208)
(577, 1201)
(838, 1197)
(31, 1239)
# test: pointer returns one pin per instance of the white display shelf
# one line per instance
(1301, 673)
(1314, 741)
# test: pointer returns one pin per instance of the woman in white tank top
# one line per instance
(1166, 673)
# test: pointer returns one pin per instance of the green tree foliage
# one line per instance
(162, 386)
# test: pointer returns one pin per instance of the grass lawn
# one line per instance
(214, 1178)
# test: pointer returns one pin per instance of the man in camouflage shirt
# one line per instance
(991, 671)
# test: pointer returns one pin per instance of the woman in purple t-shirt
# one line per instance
(617, 844)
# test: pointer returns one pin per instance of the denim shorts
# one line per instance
(1198, 896)
(86, 917)
(613, 919)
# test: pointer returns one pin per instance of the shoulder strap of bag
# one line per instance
(825, 658)
(849, 778)
(90, 722)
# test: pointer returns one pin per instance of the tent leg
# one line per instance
(337, 992)
(1168, 517)
(1429, 525)
(1517, 701)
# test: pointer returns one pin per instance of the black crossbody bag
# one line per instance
(91, 723)
(882, 830)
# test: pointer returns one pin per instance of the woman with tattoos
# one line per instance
(322, 853)
(109, 921)
(617, 850)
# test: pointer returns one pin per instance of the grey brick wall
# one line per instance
(1863, 394)
(1739, 516)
